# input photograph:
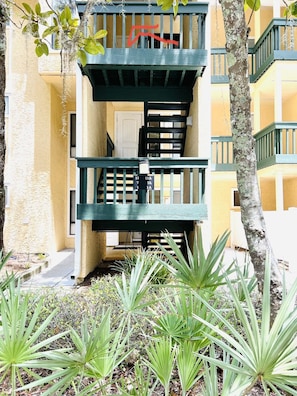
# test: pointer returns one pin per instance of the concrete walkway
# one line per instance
(61, 267)
(58, 273)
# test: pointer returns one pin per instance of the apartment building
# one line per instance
(149, 144)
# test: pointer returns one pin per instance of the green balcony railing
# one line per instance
(109, 189)
(135, 26)
(275, 144)
(278, 42)
(222, 153)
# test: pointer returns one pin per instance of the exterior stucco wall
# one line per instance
(221, 204)
(267, 187)
(290, 188)
(29, 224)
(93, 145)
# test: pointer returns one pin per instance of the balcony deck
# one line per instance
(149, 54)
(277, 42)
(275, 145)
(109, 191)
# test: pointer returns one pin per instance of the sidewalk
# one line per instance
(58, 273)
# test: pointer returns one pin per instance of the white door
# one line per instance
(127, 125)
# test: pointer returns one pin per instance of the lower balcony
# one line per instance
(276, 144)
(115, 189)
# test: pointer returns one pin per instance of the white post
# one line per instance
(279, 191)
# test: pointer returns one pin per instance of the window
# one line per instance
(235, 198)
(72, 134)
(72, 207)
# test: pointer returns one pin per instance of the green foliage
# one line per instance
(196, 270)
(150, 257)
(140, 385)
(291, 10)
(265, 352)
(167, 4)
(66, 29)
(188, 365)
(173, 317)
(8, 278)
(19, 346)
(97, 352)
(161, 357)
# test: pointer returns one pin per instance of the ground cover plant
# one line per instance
(128, 334)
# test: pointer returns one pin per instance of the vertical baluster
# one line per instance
(83, 185)
(181, 31)
(105, 28)
(152, 38)
(142, 39)
(217, 152)
(171, 186)
(162, 186)
(114, 30)
(124, 185)
(162, 28)
(153, 172)
(201, 185)
(115, 187)
(191, 181)
(95, 186)
(182, 176)
(124, 30)
(134, 196)
(294, 140)
(104, 185)
(190, 31)
(171, 30)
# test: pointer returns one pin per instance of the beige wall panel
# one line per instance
(221, 204)
(28, 226)
(267, 187)
(290, 197)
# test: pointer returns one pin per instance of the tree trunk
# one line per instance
(244, 153)
(3, 21)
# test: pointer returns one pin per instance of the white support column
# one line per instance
(276, 9)
(79, 132)
(279, 191)
(278, 106)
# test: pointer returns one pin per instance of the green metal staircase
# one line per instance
(164, 132)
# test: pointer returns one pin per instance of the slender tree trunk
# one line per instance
(3, 20)
(236, 32)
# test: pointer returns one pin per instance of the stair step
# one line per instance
(166, 118)
(167, 106)
(165, 140)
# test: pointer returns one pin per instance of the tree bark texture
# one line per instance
(3, 21)
(236, 31)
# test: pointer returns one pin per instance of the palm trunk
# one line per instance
(3, 20)
(236, 32)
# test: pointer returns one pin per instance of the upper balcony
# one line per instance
(278, 42)
(275, 145)
(149, 54)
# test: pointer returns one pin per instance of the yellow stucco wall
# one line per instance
(93, 145)
(290, 188)
(221, 203)
(267, 187)
(28, 225)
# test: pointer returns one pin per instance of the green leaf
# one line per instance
(38, 9)
(65, 14)
(82, 57)
(100, 34)
(28, 8)
(253, 4)
(50, 30)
